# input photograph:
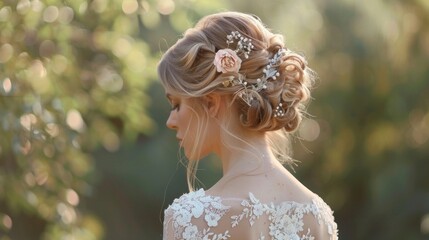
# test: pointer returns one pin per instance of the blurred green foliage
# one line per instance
(72, 79)
(85, 153)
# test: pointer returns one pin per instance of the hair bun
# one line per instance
(282, 103)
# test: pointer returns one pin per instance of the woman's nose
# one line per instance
(171, 121)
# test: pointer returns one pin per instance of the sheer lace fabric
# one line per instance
(197, 215)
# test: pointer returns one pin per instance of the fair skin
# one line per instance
(248, 166)
(185, 120)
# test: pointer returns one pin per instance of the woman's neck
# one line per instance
(248, 156)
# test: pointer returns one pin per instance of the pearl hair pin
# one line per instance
(244, 44)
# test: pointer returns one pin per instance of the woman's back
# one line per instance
(275, 208)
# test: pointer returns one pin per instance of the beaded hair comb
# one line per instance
(228, 60)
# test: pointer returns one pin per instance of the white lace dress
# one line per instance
(197, 215)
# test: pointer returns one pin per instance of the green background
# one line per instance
(85, 153)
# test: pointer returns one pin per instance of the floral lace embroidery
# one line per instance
(326, 215)
(285, 219)
(194, 205)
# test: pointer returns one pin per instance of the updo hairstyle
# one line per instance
(187, 69)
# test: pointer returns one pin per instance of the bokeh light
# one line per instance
(129, 6)
(82, 116)
(309, 130)
(50, 14)
(7, 85)
(424, 226)
(7, 221)
(6, 52)
(165, 7)
(72, 197)
(75, 121)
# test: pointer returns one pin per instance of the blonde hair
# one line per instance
(187, 69)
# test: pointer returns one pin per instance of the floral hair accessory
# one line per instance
(248, 89)
(227, 60)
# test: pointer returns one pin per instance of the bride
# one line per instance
(237, 91)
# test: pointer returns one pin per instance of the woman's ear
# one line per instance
(214, 103)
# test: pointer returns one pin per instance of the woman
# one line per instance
(237, 91)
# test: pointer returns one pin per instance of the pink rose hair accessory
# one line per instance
(227, 60)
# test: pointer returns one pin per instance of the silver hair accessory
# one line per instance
(279, 111)
(248, 90)
(244, 44)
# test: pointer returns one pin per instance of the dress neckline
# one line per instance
(252, 197)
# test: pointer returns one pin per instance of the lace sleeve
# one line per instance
(168, 229)
(318, 223)
(194, 216)
(288, 220)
